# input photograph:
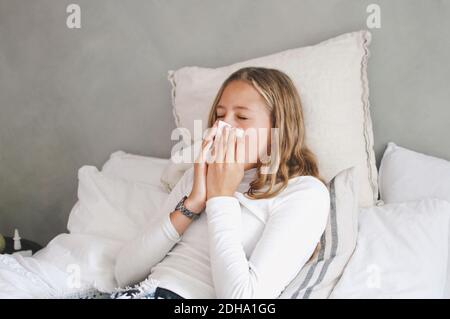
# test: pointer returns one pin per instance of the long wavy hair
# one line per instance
(292, 156)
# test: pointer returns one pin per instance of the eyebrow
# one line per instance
(235, 107)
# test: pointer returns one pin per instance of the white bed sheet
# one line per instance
(113, 205)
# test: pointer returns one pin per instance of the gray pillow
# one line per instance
(319, 276)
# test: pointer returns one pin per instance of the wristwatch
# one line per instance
(186, 212)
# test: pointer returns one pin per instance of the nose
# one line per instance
(230, 120)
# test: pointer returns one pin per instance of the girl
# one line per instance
(242, 224)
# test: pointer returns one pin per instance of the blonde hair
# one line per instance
(293, 157)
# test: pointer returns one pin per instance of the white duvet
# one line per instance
(113, 205)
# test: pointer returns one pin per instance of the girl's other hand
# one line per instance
(226, 171)
(196, 200)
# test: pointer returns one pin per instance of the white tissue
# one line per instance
(220, 126)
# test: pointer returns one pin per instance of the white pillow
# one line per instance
(319, 276)
(179, 162)
(135, 168)
(113, 206)
(332, 81)
(407, 175)
(401, 252)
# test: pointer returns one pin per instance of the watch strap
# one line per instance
(186, 212)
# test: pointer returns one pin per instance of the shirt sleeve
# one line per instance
(137, 257)
(297, 220)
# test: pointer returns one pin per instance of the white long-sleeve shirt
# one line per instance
(237, 248)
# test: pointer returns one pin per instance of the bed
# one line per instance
(127, 191)
(395, 245)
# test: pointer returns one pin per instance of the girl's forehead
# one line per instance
(239, 92)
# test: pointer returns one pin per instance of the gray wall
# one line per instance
(71, 97)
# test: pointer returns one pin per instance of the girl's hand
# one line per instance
(196, 200)
(226, 170)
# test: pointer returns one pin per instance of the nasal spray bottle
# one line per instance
(16, 239)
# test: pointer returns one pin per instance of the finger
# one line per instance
(210, 133)
(205, 153)
(206, 146)
(221, 146)
(217, 134)
(240, 149)
(231, 147)
(207, 143)
(212, 154)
